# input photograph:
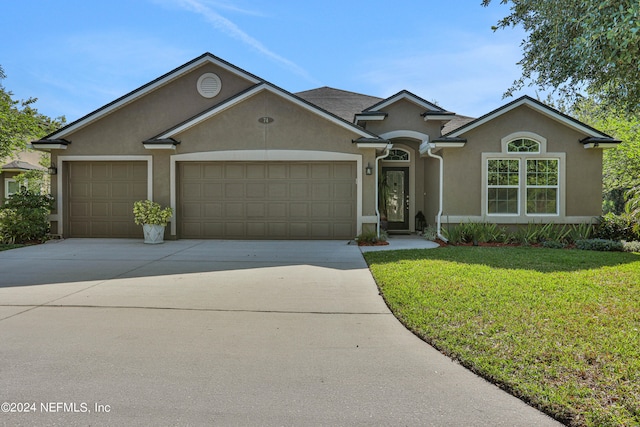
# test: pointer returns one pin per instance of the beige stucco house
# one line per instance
(19, 163)
(238, 157)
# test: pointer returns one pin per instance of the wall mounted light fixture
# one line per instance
(368, 170)
(52, 170)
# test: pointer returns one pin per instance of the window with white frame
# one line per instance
(11, 186)
(523, 179)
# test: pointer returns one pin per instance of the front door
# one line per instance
(396, 197)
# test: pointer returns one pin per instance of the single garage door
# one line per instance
(100, 198)
(267, 200)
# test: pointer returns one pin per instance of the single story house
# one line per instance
(21, 162)
(237, 157)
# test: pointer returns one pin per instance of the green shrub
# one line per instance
(580, 232)
(553, 244)
(476, 232)
(371, 237)
(430, 233)
(24, 217)
(148, 212)
(599, 245)
(631, 246)
(617, 227)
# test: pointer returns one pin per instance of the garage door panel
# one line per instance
(101, 196)
(234, 210)
(192, 210)
(299, 191)
(100, 190)
(212, 210)
(211, 191)
(234, 190)
(256, 190)
(277, 171)
(234, 171)
(256, 210)
(275, 200)
(234, 230)
(99, 210)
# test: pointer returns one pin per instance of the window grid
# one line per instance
(397, 155)
(523, 145)
(542, 186)
(503, 189)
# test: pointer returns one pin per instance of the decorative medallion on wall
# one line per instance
(209, 85)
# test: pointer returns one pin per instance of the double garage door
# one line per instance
(267, 200)
(220, 200)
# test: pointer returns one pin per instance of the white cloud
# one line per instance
(229, 28)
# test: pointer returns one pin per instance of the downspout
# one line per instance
(428, 146)
(385, 153)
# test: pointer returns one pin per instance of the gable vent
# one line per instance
(209, 85)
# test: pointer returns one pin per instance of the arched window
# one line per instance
(397, 155)
(523, 145)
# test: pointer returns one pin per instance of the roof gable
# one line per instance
(258, 88)
(408, 96)
(534, 105)
(150, 87)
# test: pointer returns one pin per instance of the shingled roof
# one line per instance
(342, 103)
(347, 104)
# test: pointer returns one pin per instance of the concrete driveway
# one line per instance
(115, 332)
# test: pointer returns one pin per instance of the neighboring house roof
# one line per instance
(143, 90)
(342, 103)
(456, 122)
(537, 106)
(19, 165)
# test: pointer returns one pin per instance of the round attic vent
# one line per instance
(209, 85)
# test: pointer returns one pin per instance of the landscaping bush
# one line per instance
(24, 217)
(617, 227)
(371, 237)
(599, 245)
(476, 232)
(631, 246)
(553, 244)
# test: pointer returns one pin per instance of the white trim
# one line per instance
(60, 196)
(438, 117)
(458, 219)
(405, 150)
(370, 117)
(160, 146)
(535, 106)
(522, 216)
(138, 93)
(440, 145)
(410, 134)
(603, 145)
(409, 97)
(541, 140)
(7, 181)
(265, 156)
(48, 147)
(254, 91)
(376, 145)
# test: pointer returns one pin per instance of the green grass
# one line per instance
(6, 247)
(558, 328)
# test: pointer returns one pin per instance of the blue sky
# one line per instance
(75, 56)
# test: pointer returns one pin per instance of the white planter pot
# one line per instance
(153, 233)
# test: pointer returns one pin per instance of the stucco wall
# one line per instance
(463, 166)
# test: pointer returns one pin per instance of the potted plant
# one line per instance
(153, 219)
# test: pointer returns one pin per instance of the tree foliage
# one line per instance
(20, 122)
(580, 46)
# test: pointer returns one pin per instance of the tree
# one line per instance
(20, 122)
(573, 46)
(621, 165)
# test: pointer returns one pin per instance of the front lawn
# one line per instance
(558, 328)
